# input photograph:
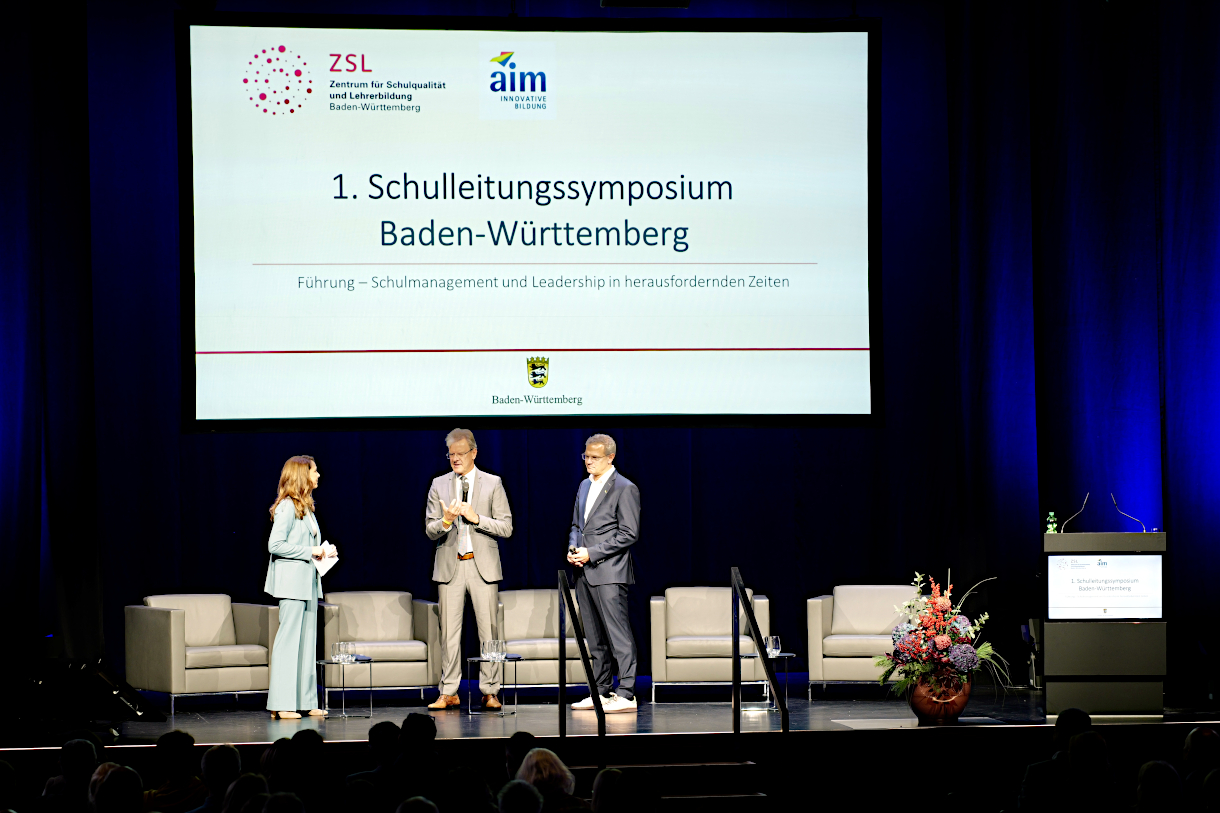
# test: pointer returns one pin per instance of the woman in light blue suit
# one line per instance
(295, 542)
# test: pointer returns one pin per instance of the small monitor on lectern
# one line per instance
(1103, 586)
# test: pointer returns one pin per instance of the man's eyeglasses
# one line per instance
(456, 455)
(592, 457)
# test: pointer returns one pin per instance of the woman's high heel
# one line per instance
(285, 715)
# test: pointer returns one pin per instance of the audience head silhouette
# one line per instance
(176, 753)
(120, 791)
(221, 765)
(98, 776)
(383, 741)
(1159, 788)
(611, 792)
(284, 803)
(243, 789)
(418, 732)
(519, 796)
(544, 770)
(78, 759)
(256, 803)
(518, 745)
(277, 764)
(1070, 723)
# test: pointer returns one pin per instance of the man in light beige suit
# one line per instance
(467, 515)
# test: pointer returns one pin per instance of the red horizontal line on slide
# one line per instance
(536, 350)
(498, 264)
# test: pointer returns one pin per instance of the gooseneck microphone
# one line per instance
(1125, 514)
(1063, 530)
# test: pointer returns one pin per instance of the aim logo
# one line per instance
(515, 80)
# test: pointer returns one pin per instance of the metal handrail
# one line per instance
(567, 605)
(739, 599)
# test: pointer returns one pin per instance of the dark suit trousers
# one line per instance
(603, 609)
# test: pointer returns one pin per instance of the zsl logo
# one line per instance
(351, 60)
(514, 81)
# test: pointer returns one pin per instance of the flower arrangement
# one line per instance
(937, 644)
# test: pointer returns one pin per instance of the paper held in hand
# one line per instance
(328, 561)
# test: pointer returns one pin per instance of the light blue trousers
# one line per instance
(294, 682)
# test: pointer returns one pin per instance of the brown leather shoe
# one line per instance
(445, 701)
(490, 702)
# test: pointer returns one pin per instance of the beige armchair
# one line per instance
(692, 641)
(200, 644)
(849, 629)
(529, 624)
(401, 634)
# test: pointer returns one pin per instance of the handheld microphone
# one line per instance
(1125, 514)
(465, 491)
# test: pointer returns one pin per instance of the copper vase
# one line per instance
(939, 709)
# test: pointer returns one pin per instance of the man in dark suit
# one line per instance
(605, 524)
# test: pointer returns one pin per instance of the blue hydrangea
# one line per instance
(909, 640)
(964, 658)
(901, 631)
(962, 623)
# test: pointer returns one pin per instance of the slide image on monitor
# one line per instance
(427, 223)
(1104, 586)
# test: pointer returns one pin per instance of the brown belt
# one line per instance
(463, 556)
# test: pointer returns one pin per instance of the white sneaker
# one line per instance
(617, 705)
(586, 704)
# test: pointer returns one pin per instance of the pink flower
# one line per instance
(942, 604)
(942, 641)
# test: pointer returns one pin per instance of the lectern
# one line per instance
(1104, 634)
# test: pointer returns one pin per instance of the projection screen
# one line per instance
(547, 223)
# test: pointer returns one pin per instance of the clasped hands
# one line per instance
(579, 557)
(320, 551)
(457, 509)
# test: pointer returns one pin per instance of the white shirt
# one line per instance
(595, 489)
(464, 545)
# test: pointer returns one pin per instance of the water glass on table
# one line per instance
(771, 642)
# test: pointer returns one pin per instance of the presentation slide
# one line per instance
(546, 224)
(1104, 585)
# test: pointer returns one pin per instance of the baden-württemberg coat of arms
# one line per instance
(536, 370)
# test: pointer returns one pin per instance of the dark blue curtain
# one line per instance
(1049, 186)
(49, 472)
(1189, 254)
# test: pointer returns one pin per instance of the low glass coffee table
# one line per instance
(343, 685)
(470, 688)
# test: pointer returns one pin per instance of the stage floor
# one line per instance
(832, 712)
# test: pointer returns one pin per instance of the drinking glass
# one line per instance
(488, 650)
(772, 644)
(501, 650)
(348, 651)
(334, 651)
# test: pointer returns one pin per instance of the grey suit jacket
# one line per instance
(291, 544)
(495, 520)
(612, 528)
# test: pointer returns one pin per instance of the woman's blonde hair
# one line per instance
(295, 486)
(542, 768)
